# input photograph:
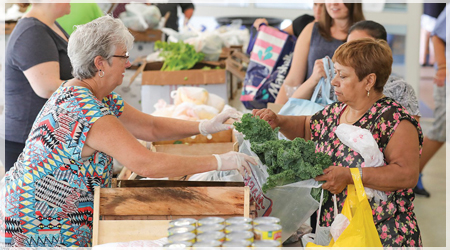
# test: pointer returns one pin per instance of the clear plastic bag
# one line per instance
(140, 16)
(292, 203)
(231, 175)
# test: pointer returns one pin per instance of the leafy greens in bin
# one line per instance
(178, 56)
(287, 161)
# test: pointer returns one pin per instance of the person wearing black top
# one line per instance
(186, 7)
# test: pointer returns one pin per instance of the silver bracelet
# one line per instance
(360, 172)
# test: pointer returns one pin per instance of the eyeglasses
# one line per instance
(126, 56)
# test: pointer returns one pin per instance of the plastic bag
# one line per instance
(208, 43)
(234, 34)
(361, 140)
(323, 91)
(298, 107)
(361, 232)
(194, 95)
(231, 175)
(292, 203)
(140, 16)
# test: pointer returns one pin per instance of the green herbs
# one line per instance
(287, 161)
(178, 56)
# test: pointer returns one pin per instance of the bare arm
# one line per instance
(402, 156)
(306, 90)
(152, 128)
(299, 64)
(290, 126)
(402, 171)
(108, 135)
(439, 54)
(289, 29)
(44, 78)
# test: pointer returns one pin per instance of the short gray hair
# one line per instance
(97, 38)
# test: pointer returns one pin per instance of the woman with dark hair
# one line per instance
(317, 40)
(396, 88)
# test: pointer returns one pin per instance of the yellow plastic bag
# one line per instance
(361, 231)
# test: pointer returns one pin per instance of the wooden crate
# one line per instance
(143, 213)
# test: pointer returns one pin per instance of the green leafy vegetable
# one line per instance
(287, 161)
(178, 56)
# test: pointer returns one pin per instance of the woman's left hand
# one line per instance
(336, 179)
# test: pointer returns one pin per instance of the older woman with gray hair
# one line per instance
(49, 191)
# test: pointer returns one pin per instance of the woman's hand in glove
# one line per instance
(216, 124)
(235, 161)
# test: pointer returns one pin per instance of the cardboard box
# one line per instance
(150, 35)
(220, 143)
(157, 84)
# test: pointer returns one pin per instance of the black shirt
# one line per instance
(31, 43)
(172, 22)
(300, 23)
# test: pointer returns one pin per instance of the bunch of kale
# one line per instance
(287, 161)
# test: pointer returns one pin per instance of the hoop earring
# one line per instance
(101, 73)
(368, 93)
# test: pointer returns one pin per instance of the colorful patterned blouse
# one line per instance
(49, 191)
(394, 218)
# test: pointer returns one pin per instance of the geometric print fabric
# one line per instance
(48, 194)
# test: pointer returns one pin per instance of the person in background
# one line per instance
(35, 66)
(395, 88)
(435, 138)
(427, 22)
(299, 23)
(80, 13)
(363, 67)
(317, 40)
(172, 6)
(84, 124)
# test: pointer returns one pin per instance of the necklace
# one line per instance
(90, 87)
(345, 114)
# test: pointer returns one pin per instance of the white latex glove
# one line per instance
(216, 124)
(235, 161)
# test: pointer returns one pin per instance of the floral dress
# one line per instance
(394, 218)
(49, 191)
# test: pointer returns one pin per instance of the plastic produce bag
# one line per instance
(140, 16)
(209, 44)
(231, 175)
(194, 95)
(361, 140)
(361, 232)
(292, 203)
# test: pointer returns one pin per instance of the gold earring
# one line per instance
(368, 93)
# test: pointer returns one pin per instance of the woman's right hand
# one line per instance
(259, 21)
(318, 71)
(267, 115)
